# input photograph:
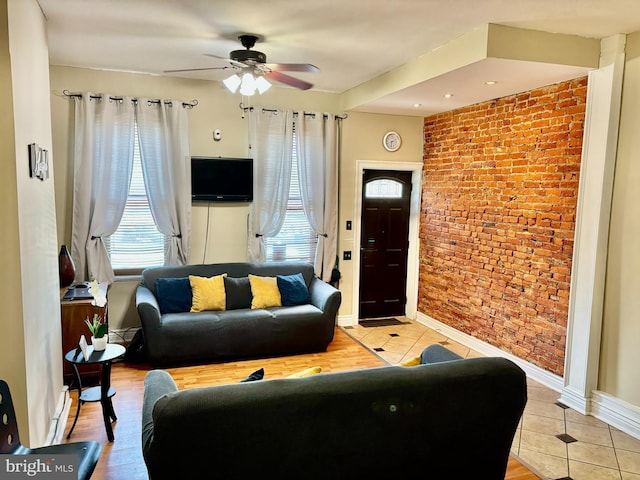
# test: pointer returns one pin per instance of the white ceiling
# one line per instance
(351, 41)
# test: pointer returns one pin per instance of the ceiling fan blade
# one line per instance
(235, 63)
(286, 79)
(292, 67)
(196, 69)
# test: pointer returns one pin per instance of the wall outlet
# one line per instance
(346, 255)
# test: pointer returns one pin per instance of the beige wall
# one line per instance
(30, 323)
(362, 140)
(12, 358)
(620, 354)
(218, 109)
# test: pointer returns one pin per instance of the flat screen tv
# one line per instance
(221, 179)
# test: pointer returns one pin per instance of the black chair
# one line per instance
(88, 452)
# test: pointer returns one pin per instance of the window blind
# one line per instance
(136, 243)
(296, 240)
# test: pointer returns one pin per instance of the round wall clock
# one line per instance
(391, 141)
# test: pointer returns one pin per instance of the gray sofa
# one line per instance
(192, 337)
(450, 419)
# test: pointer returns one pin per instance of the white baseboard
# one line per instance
(60, 416)
(345, 321)
(574, 399)
(554, 382)
(123, 336)
(616, 412)
(611, 410)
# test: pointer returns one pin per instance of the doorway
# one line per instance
(384, 242)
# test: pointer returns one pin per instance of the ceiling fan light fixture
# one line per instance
(262, 84)
(248, 85)
(232, 83)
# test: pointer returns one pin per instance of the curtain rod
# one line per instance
(244, 109)
(193, 103)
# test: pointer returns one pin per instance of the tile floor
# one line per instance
(557, 442)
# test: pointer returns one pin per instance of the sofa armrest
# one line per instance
(147, 306)
(436, 353)
(324, 296)
(157, 383)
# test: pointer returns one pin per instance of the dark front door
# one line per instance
(384, 242)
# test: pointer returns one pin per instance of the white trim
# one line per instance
(122, 336)
(574, 398)
(59, 419)
(346, 321)
(616, 412)
(534, 372)
(413, 259)
(586, 300)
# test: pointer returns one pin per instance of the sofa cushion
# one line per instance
(265, 292)
(293, 290)
(238, 292)
(174, 295)
(208, 293)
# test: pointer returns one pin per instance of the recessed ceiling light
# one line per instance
(490, 82)
(448, 95)
(417, 105)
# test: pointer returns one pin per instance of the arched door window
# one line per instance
(383, 188)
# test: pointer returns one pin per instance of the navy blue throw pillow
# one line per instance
(174, 295)
(257, 375)
(293, 290)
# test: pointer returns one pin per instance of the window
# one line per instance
(383, 188)
(137, 243)
(296, 239)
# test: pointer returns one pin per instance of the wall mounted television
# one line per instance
(221, 179)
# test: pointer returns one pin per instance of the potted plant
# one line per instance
(99, 331)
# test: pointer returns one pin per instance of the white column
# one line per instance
(592, 226)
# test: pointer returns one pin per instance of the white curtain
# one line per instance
(166, 166)
(270, 136)
(317, 153)
(103, 159)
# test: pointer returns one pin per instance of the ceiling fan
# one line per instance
(255, 62)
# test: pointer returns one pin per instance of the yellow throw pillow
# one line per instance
(265, 292)
(306, 372)
(208, 293)
(411, 363)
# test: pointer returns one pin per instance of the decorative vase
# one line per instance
(99, 344)
(66, 268)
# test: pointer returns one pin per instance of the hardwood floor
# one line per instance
(122, 459)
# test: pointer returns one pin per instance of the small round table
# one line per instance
(103, 392)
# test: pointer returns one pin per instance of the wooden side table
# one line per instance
(72, 316)
(104, 391)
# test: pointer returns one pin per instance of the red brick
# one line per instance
(500, 186)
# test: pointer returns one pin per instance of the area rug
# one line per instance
(381, 322)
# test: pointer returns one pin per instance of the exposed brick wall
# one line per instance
(499, 196)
